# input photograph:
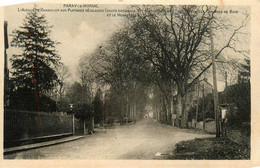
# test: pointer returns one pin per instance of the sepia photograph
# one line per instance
(126, 82)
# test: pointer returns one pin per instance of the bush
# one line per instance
(83, 111)
(63, 106)
(98, 107)
(239, 97)
(208, 107)
(25, 99)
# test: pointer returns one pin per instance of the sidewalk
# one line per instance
(42, 144)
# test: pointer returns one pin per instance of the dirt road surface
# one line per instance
(142, 140)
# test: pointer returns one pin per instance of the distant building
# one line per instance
(192, 93)
(192, 97)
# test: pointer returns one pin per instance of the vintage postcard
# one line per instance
(130, 84)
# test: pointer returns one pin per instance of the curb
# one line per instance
(40, 145)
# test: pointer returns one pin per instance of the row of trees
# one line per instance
(155, 58)
(122, 77)
(164, 50)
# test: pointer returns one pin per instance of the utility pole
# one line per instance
(203, 106)
(103, 110)
(197, 108)
(226, 83)
(215, 89)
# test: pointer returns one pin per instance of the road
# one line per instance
(140, 141)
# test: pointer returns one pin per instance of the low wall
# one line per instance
(239, 135)
(200, 125)
(79, 127)
(210, 125)
(25, 125)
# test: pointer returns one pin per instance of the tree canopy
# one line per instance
(39, 58)
(35, 68)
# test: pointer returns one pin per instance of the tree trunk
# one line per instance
(127, 108)
(134, 110)
(203, 107)
(169, 115)
(165, 111)
(122, 109)
(179, 109)
(90, 124)
(131, 110)
(172, 111)
(156, 112)
(184, 118)
(197, 107)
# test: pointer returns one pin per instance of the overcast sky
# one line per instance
(81, 32)
(78, 32)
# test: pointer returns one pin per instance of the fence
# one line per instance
(210, 125)
(240, 135)
(24, 125)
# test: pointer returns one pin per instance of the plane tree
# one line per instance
(176, 41)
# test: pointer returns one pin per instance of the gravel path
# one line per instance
(140, 141)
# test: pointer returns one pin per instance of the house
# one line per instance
(200, 88)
